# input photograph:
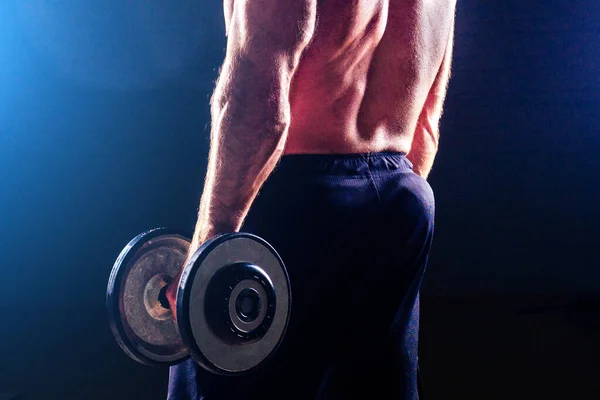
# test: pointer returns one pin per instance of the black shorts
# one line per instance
(354, 232)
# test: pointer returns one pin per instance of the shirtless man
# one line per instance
(324, 128)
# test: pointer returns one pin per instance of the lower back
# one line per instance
(363, 80)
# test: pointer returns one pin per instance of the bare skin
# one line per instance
(321, 76)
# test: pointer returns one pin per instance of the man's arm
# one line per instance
(426, 139)
(250, 107)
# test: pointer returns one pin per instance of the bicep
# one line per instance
(259, 26)
(267, 35)
(265, 39)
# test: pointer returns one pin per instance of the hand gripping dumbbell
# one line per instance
(233, 301)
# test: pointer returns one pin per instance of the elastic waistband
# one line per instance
(343, 164)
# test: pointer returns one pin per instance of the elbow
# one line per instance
(423, 150)
(277, 137)
(428, 138)
(266, 135)
(272, 125)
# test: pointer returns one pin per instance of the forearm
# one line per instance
(241, 157)
(243, 153)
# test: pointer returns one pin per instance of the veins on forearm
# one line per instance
(247, 139)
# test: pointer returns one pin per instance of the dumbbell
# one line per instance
(233, 301)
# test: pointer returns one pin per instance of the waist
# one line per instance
(363, 164)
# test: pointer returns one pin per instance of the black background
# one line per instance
(103, 134)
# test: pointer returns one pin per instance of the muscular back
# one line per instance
(335, 76)
(366, 77)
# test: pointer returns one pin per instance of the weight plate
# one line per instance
(233, 303)
(140, 322)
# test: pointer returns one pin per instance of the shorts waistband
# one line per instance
(364, 164)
